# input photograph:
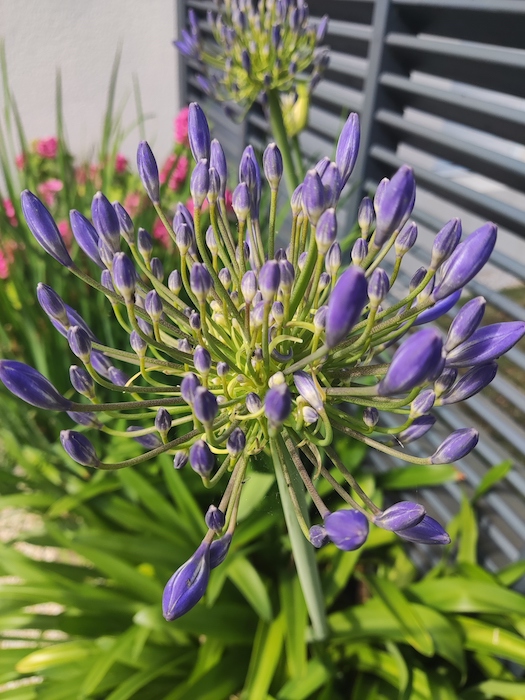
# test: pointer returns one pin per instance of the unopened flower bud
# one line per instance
(400, 516)
(52, 303)
(79, 342)
(423, 403)
(428, 531)
(318, 536)
(253, 403)
(236, 442)
(187, 585)
(44, 229)
(366, 216)
(189, 386)
(202, 360)
(175, 282)
(273, 165)
(202, 459)
(125, 223)
(82, 381)
(378, 286)
(124, 276)
(345, 305)
(205, 405)
(278, 404)
(79, 448)
(180, 459)
(313, 197)
(370, 416)
(310, 415)
(326, 231)
(348, 147)
(86, 236)
(106, 222)
(445, 243)
(347, 529)
(163, 422)
(465, 323)
(148, 171)
(359, 251)
(413, 362)
(269, 280)
(198, 133)
(144, 244)
(200, 281)
(406, 239)
(214, 519)
(456, 446)
(332, 260)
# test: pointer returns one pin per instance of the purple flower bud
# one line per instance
(486, 344)
(118, 377)
(269, 280)
(52, 303)
(106, 281)
(90, 420)
(205, 405)
(211, 241)
(445, 381)
(320, 318)
(200, 281)
(219, 549)
(400, 516)
(31, 386)
(236, 442)
(395, 205)
(287, 275)
(125, 223)
(257, 315)
(137, 344)
(419, 427)
(253, 403)
(184, 346)
(456, 446)
(310, 415)
(214, 185)
(348, 147)
(359, 251)
(43, 227)
(149, 441)
(366, 216)
(222, 369)
(445, 243)
(81, 381)
(148, 171)
(187, 585)
(278, 404)
(347, 529)
(145, 327)
(345, 305)
(241, 201)
(189, 386)
(106, 253)
(106, 222)
(423, 403)
(428, 531)
(214, 519)
(175, 282)
(157, 268)
(465, 323)
(370, 416)
(313, 196)
(333, 259)
(200, 182)
(202, 360)
(198, 133)
(378, 286)
(101, 364)
(322, 28)
(273, 165)
(467, 260)
(318, 536)
(331, 180)
(413, 363)
(86, 236)
(180, 459)
(439, 309)
(202, 459)
(153, 305)
(326, 231)
(79, 448)
(218, 161)
(195, 321)
(163, 421)
(79, 342)
(249, 286)
(296, 201)
(124, 276)
(406, 239)
(308, 389)
(144, 244)
(470, 384)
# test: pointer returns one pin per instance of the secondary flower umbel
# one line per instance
(248, 349)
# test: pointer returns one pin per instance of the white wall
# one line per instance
(80, 37)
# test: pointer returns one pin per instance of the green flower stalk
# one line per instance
(248, 350)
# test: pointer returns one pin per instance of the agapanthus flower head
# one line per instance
(260, 49)
(251, 349)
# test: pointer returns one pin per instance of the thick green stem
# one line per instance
(302, 549)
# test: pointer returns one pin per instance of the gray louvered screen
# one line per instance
(439, 84)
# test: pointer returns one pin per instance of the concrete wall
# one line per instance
(80, 37)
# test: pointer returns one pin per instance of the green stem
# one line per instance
(282, 140)
(302, 550)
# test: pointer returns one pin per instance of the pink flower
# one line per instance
(20, 161)
(160, 234)
(121, 163)
(65, 231)
(132, 203)
(10, 212)
(167, 168)
(4, 267)
(180, 126)
(180, 173)
(47, 148)
(48, 190)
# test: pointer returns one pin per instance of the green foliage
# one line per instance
(112, 540)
